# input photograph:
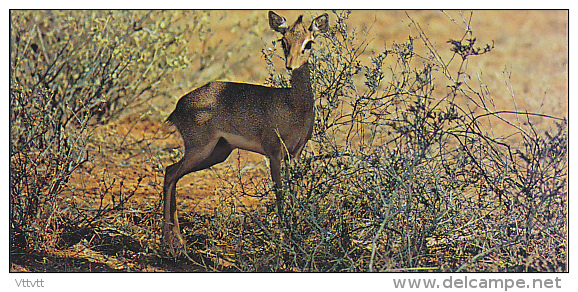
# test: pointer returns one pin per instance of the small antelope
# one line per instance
(220, 116)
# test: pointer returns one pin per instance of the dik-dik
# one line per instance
(220, 116)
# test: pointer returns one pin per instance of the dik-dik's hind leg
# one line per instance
(171, 232)
(193, 160)
(193, 156)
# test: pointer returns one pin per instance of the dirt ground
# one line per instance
(526, 70)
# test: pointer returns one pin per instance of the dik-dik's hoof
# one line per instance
(173, 242)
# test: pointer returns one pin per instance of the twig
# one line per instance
(375, 240)
(42, 44)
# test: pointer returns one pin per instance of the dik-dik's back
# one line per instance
(241, 113)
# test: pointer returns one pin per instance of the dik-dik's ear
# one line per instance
(320, 24)
(277, 22)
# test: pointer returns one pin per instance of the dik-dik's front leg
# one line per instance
(276, 159)
(275, 166)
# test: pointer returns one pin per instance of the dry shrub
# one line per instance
(99, 62)
(43, 154)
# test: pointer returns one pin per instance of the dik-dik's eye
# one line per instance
(307, 47)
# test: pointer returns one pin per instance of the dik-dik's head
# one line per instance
(297, 38)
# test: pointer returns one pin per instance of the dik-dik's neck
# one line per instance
(301, 86)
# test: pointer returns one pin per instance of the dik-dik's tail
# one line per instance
(170, 119)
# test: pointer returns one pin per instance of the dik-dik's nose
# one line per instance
(289, 63)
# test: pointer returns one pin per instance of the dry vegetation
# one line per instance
(440, 143)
